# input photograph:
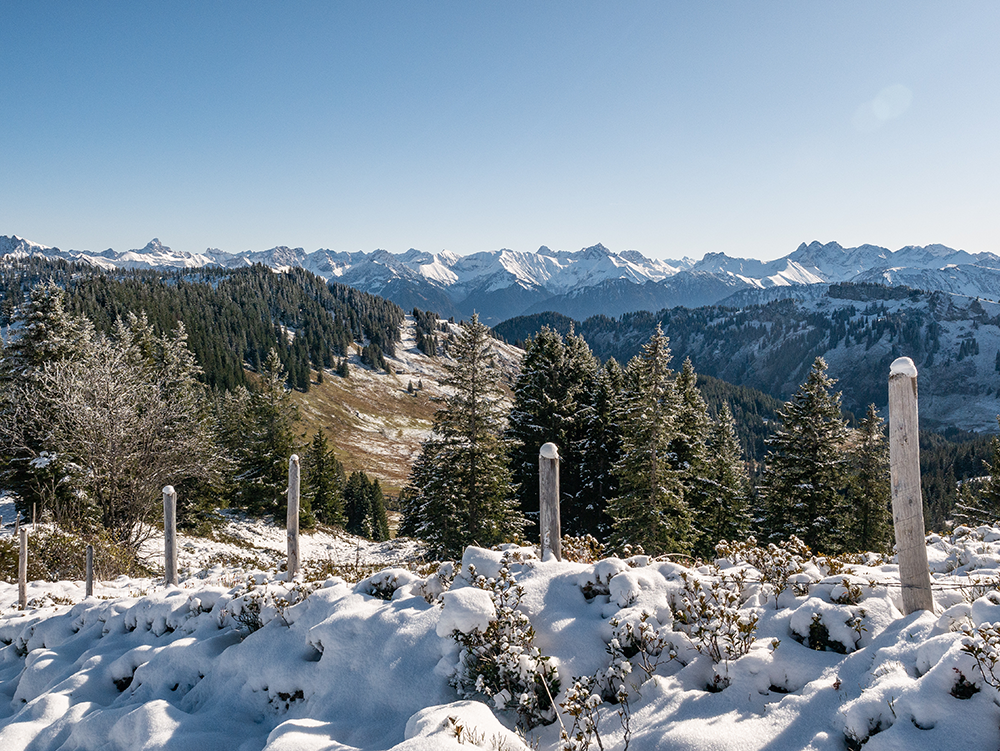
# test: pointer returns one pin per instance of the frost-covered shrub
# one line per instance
(980, 586)
(502, 661)
(435, 585)
(710, 612)
(828, 628)
(57, 555)
(642, 641)
(776, 563)
(983, 644)
(384, 584)
(595, 581)
(585, 549)
(256, 605)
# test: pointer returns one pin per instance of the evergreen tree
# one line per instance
(263, 442)
(357, 505)
(379, 518)
(979, 498)
(600, 449)
(650, 510)
(460, 486)
(689, 455)
(805, 476)
(869, 496)
(554, 375)
(324, 481)
(726, 513)
(48, 335)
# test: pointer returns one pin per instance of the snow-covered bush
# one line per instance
(983, 644)
(775, 563)
(384, 584)
(501, 660)
(710, 612)
(585, 549)
(256, 605)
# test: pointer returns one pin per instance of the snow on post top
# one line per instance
(903, 366)
(168, 489)
(549, 451)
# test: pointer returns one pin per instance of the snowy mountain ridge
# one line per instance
(502, 283)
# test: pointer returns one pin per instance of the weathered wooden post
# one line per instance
(904, 472)
(90, 571)
(170, 535)
(548, 500)
(22, 571)
(293, 516)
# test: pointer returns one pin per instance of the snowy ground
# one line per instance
(142, 666)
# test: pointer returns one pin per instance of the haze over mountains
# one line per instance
(500, 284)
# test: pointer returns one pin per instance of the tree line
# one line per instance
(644, 462)
(94, 423)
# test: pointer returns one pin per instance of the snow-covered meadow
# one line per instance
(832, 664)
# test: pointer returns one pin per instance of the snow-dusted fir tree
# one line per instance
(460, 488)
(979, 498)
(805, 476)
(47, 334)
(650, 509)
(689, 453)
(547, 407)
(726, 512)
(323, 480)
(869, 524)
(261, 439)
(600, 449)
(364, 507)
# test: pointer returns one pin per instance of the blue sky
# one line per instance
(672, 128)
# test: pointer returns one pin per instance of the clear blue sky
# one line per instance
(672, 128)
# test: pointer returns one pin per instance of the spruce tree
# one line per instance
(806, 477)
(689, 454)
(265, 442)
(600, 449)
(47, 334)
(323, 481)
(979, 498)
(726, 513)
(869, 522)
(553, 378)
(650, 510)
(461, 485)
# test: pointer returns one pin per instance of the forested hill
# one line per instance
(858, 328)
(232, 317)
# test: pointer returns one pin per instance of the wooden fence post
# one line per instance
(22, 571)
(90, 571)
(170, 535)
(904, 472)
(292, 523)
(548, 500)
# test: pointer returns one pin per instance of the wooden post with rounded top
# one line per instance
(90, 571)
(548, 500)
(904, 472)
(293, 516)
(22, 570)
(170, 535)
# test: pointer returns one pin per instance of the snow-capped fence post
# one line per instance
(22, 571)
(170, 534)
(293, 516)
(90, 571)
(548, 500)
(904, 472)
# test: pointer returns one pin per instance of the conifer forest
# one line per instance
(115, 384)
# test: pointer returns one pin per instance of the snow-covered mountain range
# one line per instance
(499, 284)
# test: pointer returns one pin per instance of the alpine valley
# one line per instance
(748, 322)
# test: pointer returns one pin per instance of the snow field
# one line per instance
(832, 662)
